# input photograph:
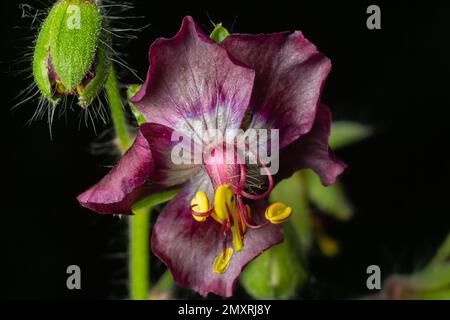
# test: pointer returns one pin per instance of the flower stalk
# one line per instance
(117, 111)
(139, 248)
(139, 260)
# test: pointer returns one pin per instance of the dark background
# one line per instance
(394, 79)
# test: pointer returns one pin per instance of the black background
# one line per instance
(395, 79)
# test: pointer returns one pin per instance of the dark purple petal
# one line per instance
(312, 151)
(290, 74)
(148, 160)
(189, 247)
(192, 78)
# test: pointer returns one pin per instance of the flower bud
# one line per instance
(70, 56)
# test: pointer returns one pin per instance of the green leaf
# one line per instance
(442, 254)
(434, 278)
(131, 92)
(331, 200)
(292, 192)
(435, 295)
(165, 283)
(219, 33)
(153, 200)
(344, 133)
(275, 274)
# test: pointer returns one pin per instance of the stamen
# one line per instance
(245, 219)
(224, 195)
(200, 206)
(222, 261)
(327, 245)
(242, 225)
(208, 213)
(278, 212)
(235, 230)
(226, 209)
(256, 196)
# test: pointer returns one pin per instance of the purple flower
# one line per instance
(221, 221)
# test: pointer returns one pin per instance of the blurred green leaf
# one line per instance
(275, 274)
(165, 282)
(331, 200)
(431, 279)
(292, 192)
(344, 133)
(435, 295)
(442, 254)
(163, 288)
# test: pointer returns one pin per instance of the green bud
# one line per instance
(219, 33)
(70, 56)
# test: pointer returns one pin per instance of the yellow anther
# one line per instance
(215, 217)
(224, 201)
(249, 215)
(278, 212)
(222, 261)
(200, 204)
(237, 238)
(225, 208)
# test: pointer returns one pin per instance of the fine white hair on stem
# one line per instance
(116, 25)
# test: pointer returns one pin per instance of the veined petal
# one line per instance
(148, 160)
(312, 151)
(190, 248)
(290, 74)
(192, 78)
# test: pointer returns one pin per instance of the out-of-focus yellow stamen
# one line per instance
(327, 245)
(278, 212)
(225, 208)
(200, 204)
(249, 215)
(222, 261)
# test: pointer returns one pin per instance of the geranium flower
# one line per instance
(219, 222)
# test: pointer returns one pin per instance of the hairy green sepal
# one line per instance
(70, 38)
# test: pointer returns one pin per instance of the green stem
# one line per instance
(117, 111)
(139, 259)
(140, 243)
(139, 254)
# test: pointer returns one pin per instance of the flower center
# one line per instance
(229, 179)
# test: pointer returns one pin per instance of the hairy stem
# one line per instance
(139, 259)
(117, 111)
